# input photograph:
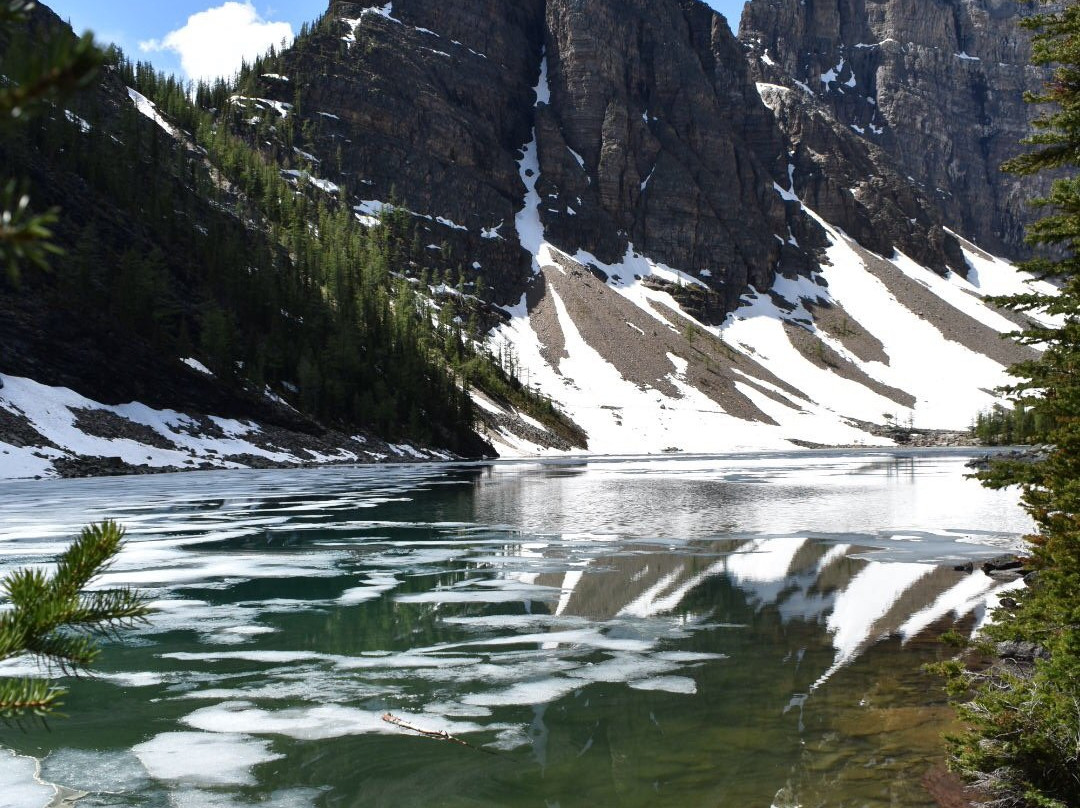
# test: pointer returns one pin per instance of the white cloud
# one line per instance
(214, 42)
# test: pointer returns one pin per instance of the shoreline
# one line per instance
(98, 467)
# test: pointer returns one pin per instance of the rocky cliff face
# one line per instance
(650, 135)
(648, 132)
(936, 85)
(655, 133)
(423, 105)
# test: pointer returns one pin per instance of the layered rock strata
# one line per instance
(937, 85)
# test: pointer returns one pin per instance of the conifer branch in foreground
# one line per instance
(55, 620)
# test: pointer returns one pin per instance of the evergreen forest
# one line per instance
(176, 233)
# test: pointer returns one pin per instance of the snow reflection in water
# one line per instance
(655, 631)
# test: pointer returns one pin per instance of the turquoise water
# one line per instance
(742, 630)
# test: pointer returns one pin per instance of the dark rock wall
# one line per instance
(429, 110)
(434, 106)
(679, 154)
(855, 185)
(937, 84)
(655, 133)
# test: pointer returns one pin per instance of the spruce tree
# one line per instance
(1023, 742)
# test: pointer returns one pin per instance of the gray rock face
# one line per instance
(678, 155)
(854, 184)
(653, 135)
(427, 107)
(658, 129)
(937, 85)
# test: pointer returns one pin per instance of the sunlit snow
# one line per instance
(51, 411)
(149, 109)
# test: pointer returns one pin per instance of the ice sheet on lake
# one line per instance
(315, 723)
(204, 758)
(373, 588)
(93, 771)
(669, 684)
(22, 787)
(628, 589)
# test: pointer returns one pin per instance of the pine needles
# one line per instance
(56, 620)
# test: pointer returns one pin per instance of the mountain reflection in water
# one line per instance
(736, 630)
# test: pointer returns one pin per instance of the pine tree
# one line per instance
(54, 619)
(1023, 745)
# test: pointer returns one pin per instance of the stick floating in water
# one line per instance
(437, 734)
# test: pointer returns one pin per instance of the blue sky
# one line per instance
(206, 37)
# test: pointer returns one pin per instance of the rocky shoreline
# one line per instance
(80, 466)
(1026, 454)
(331, 448)
(906, 437)
(52, 431)
(947, 788)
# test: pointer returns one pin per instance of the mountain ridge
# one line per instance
(648, 222)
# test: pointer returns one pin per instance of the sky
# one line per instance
(208, 38)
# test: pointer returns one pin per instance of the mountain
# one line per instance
(648, 134)
(205, 313)
(681, 294)
(616, 224)
(938, 87)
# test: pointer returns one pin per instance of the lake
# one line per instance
(736, 630)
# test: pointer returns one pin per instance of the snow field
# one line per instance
(949, 381)
(49, 411)
(147, 107)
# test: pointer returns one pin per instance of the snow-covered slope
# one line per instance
(47, 431)
(842, 356)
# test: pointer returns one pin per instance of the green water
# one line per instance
(726, 631)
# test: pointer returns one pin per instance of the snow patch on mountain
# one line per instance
(989, 276)
(949, 381)
(386, 11)
(43, 429)
(280, 107)
(298, 176)
(798, 381)
(147, 107)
